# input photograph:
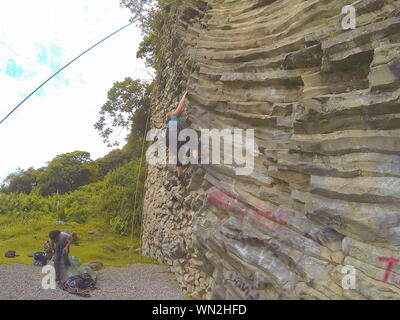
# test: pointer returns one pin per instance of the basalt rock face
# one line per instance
(325, 189)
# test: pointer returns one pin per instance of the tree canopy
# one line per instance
(67, 172)
(151, 18)
(21, 181)
(127, 104)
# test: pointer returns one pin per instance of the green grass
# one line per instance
(28, 236)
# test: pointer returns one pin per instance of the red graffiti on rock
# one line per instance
(268, 219)
(390, 264)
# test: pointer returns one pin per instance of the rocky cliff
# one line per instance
(325, 190)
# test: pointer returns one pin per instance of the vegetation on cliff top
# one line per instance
(151, 17)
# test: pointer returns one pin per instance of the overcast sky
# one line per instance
(36, 39)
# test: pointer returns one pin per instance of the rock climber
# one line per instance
(174, 123)
(60, 243)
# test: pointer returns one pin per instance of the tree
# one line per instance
(150, 47)
(151, 18)
(66, 173)
(125, 98)
(117, 200)
(138, 8)
(111, 161)
(21, 181)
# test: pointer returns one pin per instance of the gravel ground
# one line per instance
(135, 282)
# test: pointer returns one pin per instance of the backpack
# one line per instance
(79, 285)
(10, 254)
(40, 259)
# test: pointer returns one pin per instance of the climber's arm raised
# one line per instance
(181, 105)
(179, 109)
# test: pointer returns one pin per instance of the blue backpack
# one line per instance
(40, 259)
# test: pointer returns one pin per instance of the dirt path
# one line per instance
(135, 282)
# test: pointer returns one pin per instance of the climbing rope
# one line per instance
(137, 184)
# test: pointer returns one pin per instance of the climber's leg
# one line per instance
(57, 262)
(179, 165)
(66, 258)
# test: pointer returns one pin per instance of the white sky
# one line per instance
(39, 37)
